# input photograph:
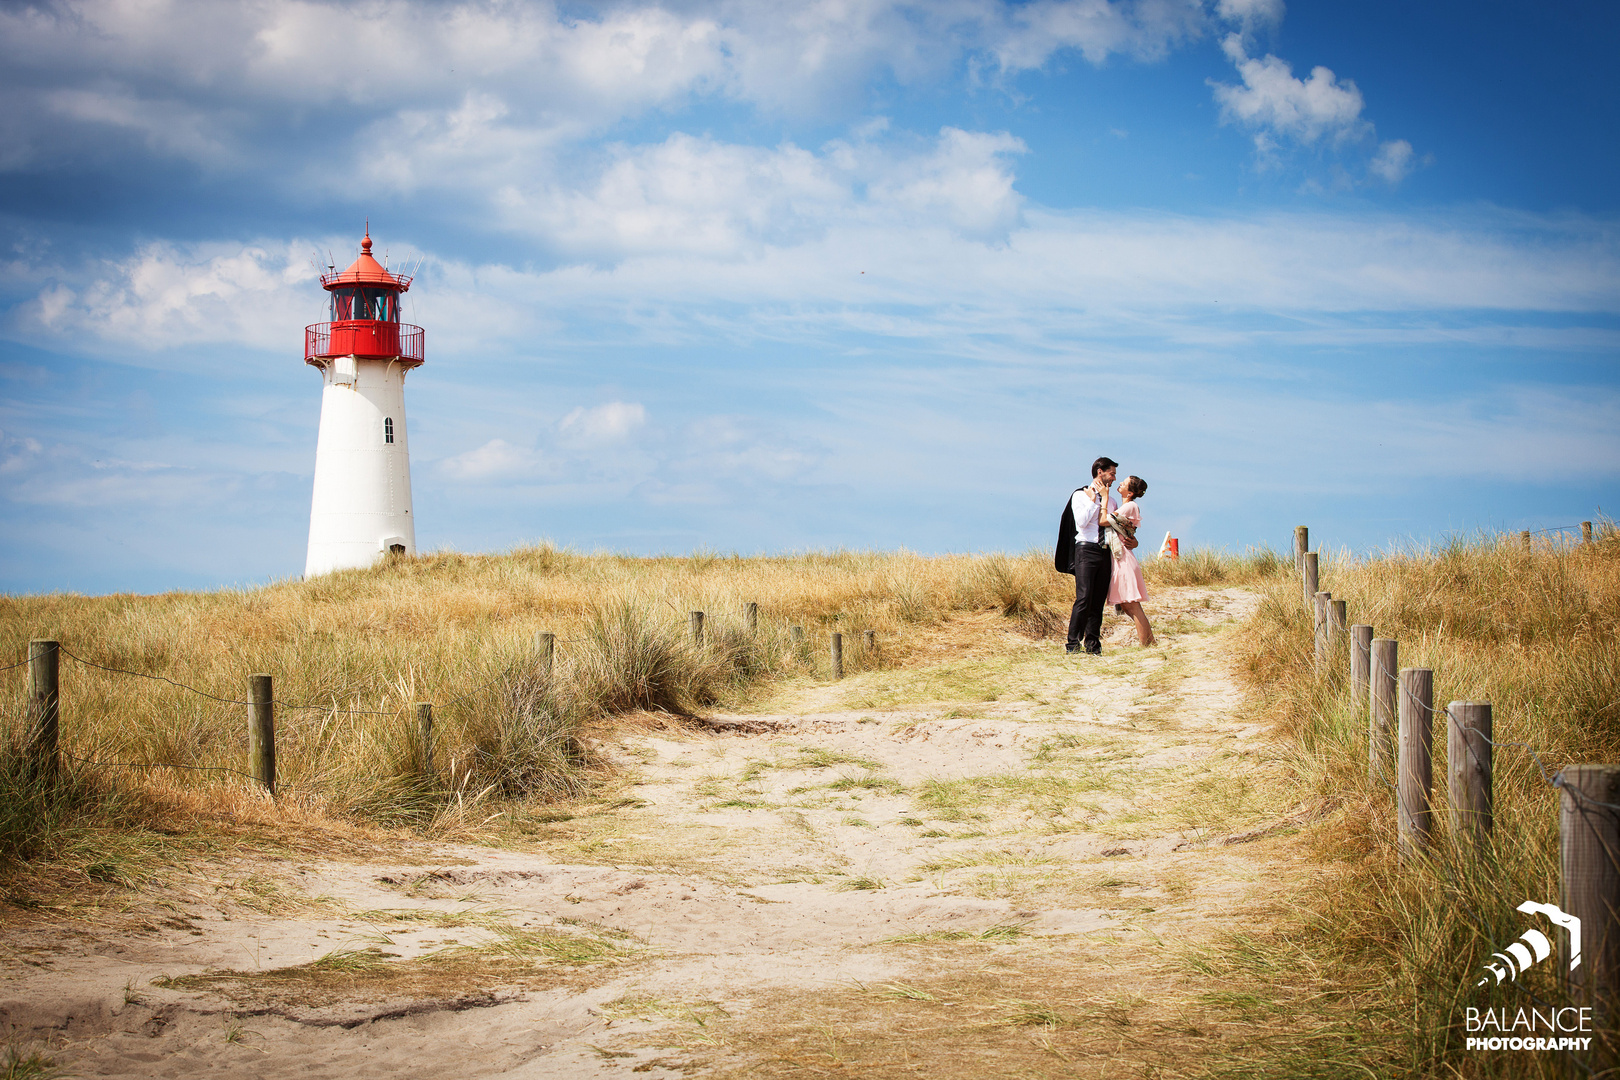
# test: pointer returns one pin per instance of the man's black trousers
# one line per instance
(1093, 570)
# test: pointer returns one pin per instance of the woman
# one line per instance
(1127, 589)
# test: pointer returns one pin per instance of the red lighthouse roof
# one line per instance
(366, 271)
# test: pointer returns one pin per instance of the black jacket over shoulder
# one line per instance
(1063, 557)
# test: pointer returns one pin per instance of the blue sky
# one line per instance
(847, 273)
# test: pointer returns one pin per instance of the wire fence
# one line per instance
(1553, 779)
(1407, 700)
(157, 765)
(145, 675)
(332, 708)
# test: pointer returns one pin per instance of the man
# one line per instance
(1081, 552)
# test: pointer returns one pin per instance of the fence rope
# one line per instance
(282, 704)
(156, 765)
(1555, 780)
(157, 678)
(335, 710)
(478, 689)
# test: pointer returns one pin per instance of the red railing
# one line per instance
(366, 338)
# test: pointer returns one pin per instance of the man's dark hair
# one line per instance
(1136, 486)
(1102, 463)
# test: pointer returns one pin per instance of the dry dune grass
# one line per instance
(1533, 632)
(352, 652)
(1214, 566)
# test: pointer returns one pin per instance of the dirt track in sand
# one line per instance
(995, 862)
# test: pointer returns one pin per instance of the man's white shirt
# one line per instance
(1085, 513)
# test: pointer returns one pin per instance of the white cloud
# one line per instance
(1143, 29)
(1057, 277)
(612, 449)
(612, 422)
(165, 295)
(686, 194)
(1281, 109)
(17, 453)
(474, 145)
(728, 450)
(1278, 105)
(1066, 269)
(963, 183)
(492, 101)
(491, 84)
(213, 83)
(66, 475)
(698, 197)
(1394, 161)
(496, 460)
(1251, 14)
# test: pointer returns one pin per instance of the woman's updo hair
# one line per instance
(1136, 486)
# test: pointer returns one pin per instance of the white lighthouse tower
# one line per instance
(362, 505)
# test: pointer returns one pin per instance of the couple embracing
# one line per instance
(1095, 543)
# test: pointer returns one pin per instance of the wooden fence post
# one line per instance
(1319, 629)
(45, 705)
(1338, 616)
(838, 656)
(751, 617)
(1586, 532)
(545, 645)
(262, 732)
(1384, 655)
(1468, 767)
(1312, 566)
(1361, 636)
(1302, 540)
(1415, 789)
(1524, 540)
(424, 724)
(869, 641)
(697, 628)
(1590, 841)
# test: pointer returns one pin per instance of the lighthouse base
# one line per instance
(328, 557)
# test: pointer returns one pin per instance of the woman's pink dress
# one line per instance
(1127, 583)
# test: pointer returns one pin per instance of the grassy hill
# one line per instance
(352, 653)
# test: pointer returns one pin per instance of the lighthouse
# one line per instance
(361, 508)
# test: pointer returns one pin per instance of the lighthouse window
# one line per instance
(388, 429)
(358, 303)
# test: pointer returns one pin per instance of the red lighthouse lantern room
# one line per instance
(365, 316)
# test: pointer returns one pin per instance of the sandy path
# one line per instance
(996, 862)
